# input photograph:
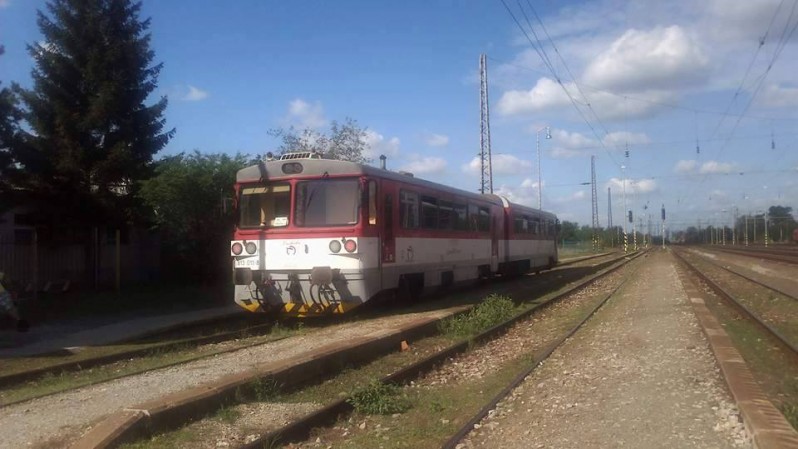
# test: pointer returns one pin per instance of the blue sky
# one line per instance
(658, 78)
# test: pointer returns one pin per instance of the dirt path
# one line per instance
(640, 375)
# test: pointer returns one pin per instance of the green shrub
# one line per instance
(378, 398)
(491, 311)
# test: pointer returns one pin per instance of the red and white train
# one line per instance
(317, 236)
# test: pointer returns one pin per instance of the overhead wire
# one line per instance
(559, 81)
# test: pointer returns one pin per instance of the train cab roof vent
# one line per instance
(300, 155)
(406, 173)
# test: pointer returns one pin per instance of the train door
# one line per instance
(494, 242)
(388, 239)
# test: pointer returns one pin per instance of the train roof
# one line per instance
(273, 171)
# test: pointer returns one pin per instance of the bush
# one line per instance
(491, 311)
(378, 398)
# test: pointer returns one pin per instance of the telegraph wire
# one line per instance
(570, 97)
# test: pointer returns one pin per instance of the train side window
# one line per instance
(484, 219)
(535, 225)
(372, 202)
(429, 212)
(460, 217)
(473, 217)
(446, 215)
(408, 209)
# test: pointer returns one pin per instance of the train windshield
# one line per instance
(265, 205)
(327, 202)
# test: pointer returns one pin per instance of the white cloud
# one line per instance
(621, 138)
(548, 95)
(685, 166)
(716, 167)
(632, 185)
(437, 140)
(778, 96)
(568, 145)
(425, 165)
(302, 115)
(661, 58)
(377, 144)
(501, 164)
(194, 94)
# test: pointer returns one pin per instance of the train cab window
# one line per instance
(484, 219)
(446, 216)
(372, 202)
(408, 209)
(460, 213)
(264, 205)
(327, 202)
(429, 212)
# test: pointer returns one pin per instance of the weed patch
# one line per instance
(228, 414)
(379, 399)
(491, 311)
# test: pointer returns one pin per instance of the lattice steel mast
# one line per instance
(484, 136)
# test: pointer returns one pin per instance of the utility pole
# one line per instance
(609, 216)
(663, 226)
(484, 136)
(746, 229)
(594, 197)
(766, 229)
(625, 237)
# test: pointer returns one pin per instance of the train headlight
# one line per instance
(350, 246)
(335, 246)
(237, 248)
(251, 247)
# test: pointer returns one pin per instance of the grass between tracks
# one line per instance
(420, 415)
(777, 378)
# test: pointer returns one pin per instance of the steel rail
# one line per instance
(750, 279)
(747, 312)
(300, 429)
(20, 377)
(485, 410)
(790, 259)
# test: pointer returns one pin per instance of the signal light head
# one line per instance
(237, 248)
(350, 246)
(251, 247)
(335, 246)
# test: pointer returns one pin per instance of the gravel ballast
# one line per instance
(640, 374)
(60, 418)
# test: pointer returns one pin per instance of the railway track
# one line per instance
(298, 429)
(784, 256)
(746, 311)
(23, 385)
(748, 278)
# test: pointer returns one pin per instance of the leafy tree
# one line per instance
(345, 141)
(9, 132)
(187, 198)
(92, 135)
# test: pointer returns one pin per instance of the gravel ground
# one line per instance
(64, 416)
(640, 374)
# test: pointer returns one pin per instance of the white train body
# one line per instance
(318, 236)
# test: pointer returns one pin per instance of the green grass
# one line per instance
(378, 398)
(491, 311)
(228, 414)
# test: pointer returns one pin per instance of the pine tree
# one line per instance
(93, 137)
